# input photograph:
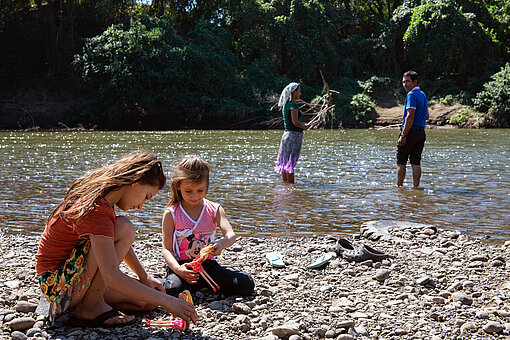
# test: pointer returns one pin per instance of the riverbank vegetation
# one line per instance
(171, 64)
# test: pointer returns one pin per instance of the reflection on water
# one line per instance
(455, 192)
(343, 178)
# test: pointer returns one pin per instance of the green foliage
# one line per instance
(23, 50)
(9, 8)
(462, 117)
(443, 40)
(500, 12)
(447, 100)
(375, 85)
(262, 80)
(363, 109)
(495, 97)
(185, 62)
(152, 75)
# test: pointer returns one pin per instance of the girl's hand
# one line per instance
(217, 249)
(151, 282)
(186, 272)
(181, 309)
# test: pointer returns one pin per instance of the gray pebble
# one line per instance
(493, 327)
(345, 337)
(382, 274)
(468, 327)
(25, 307)
(240, 308)
(462, 298)
(423, 280)
(345, 323)
(9, 317)
(482, 314)
(497, 263)
(216, 305)
(32, 332)
(330, 334)
(16, 335)
(482, 258)
(286, 330)
(20, 324)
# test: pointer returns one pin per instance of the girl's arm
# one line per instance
(104, 250)
(229, 237)
(132, 261)
(184, 270)
(295, 119)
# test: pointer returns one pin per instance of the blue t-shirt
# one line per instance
(417, 100)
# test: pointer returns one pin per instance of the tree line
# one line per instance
(169, 64)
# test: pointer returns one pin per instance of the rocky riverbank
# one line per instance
(436, 284)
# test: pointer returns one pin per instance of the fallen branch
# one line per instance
(316, 114)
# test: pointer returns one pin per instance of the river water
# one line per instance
(343, 178)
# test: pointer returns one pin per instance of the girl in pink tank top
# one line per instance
(189, 224)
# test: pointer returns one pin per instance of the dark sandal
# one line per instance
(98, 321)
(373, 254)
(343, 245)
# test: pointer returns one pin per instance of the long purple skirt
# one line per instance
(290, 148)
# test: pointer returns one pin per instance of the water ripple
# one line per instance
(344, 178)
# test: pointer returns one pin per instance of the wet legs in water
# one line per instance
(287, 177)
(401, 174)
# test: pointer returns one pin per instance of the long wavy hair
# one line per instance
(138, 167)
(191, 168)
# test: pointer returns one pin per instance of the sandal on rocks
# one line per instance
(342, 245)
(276, 259)
(345, 249)
(321, 261)
(358, 254)
(98, 321)
(370, 253)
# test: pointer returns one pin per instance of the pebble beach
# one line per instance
(434, 284)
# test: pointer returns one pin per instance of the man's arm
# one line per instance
(407, 126)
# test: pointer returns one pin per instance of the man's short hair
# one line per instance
(411, 74)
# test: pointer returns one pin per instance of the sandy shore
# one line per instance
(436, 284)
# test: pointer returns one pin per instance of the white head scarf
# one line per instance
(287, 93)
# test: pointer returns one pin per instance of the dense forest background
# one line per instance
(168, 64)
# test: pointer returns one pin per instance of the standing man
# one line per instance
(412, 133)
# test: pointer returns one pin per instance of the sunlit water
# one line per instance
(343, 178)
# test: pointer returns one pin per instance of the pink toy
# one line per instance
(196, 265)
(179, 323)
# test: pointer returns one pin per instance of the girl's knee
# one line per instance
(124, 229)
(242, 284)
(246, 286)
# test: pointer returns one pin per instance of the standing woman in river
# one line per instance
(290, 145)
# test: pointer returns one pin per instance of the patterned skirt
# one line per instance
(67, 286)
(290, 148)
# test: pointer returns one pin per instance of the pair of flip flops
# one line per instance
(348, 251)
(276, 260)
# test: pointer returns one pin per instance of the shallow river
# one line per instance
(343, 178)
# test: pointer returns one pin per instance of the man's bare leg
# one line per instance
(401, 174)
(416, 174)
